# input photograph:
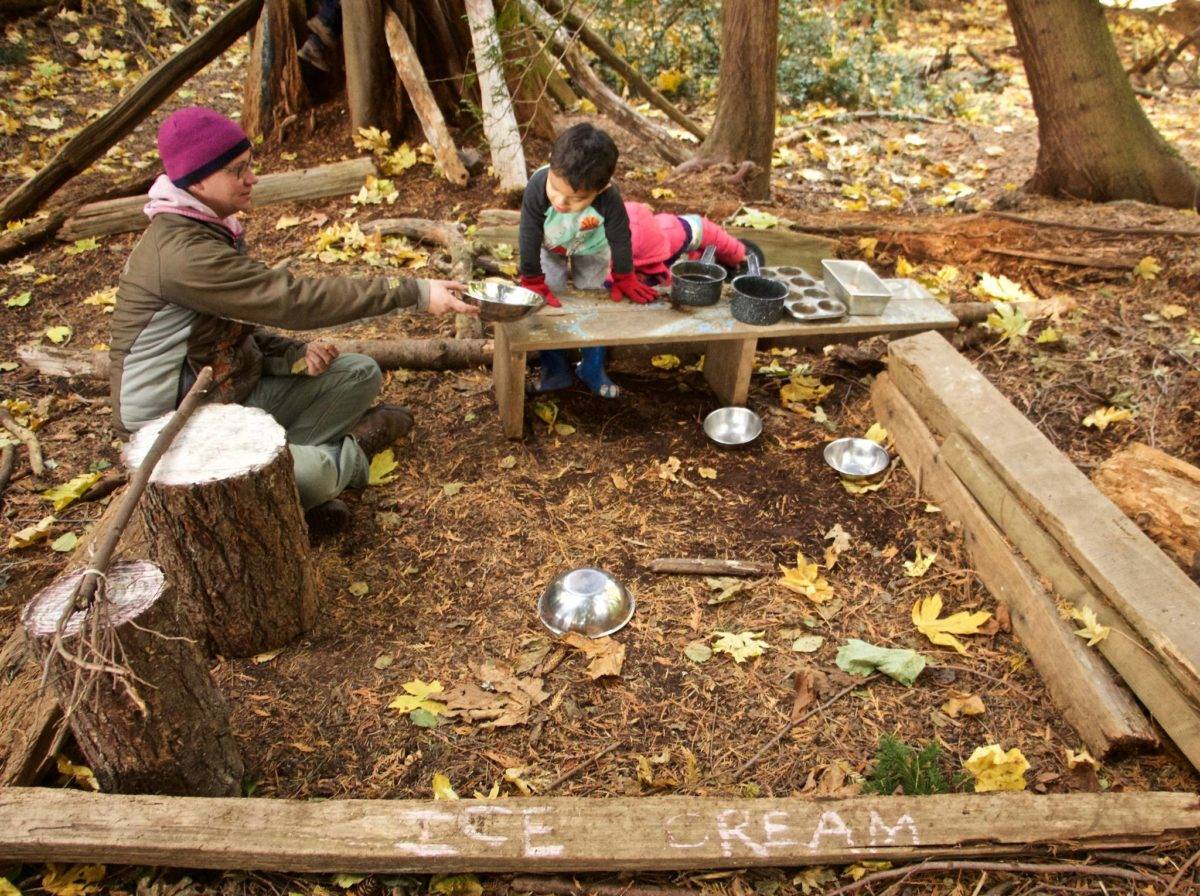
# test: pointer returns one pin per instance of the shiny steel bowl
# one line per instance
(733, 426)
(586, 600)
(857, 458)
(502, 301)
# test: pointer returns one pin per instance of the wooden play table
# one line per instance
(589, 319)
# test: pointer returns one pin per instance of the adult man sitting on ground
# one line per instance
(189, 297)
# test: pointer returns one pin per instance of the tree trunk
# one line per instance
(499, 121)
(225, 524)
(274, 86)
(1095, 141)
(744, 127)
(162, 726)
(371, 95)
(526, 79)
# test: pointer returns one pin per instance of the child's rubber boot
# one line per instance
(555, 372)
(591, 371)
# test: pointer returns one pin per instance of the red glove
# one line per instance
(630, 287)
(538, 285)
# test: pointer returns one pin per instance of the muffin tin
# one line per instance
(807, 299)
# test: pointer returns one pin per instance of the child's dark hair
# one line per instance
(585, 156)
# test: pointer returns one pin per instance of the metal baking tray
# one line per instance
(807, 299)
(857, 285)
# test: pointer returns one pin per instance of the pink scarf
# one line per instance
(167, 198)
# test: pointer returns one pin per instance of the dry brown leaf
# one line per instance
(504, 700)
(607, 656)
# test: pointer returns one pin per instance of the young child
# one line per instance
(660, 240)
(572, 217)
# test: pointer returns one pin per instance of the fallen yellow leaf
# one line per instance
(919, 564)
(416, 696)
(925, 613)
(1148, 268)
(994, 769)
(1102, 418)
(1093, 632)
(665, 362)
(806, 579)
(442, 789)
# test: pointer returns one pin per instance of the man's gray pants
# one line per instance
(316, 412)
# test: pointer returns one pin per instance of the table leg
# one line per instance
(508, 378)
(727, 367)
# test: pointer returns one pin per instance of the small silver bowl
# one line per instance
(857, 458)
(585, 600)
(502, 301)
(733, 426)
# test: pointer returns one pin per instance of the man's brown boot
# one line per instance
(381, 426)
(329, 518)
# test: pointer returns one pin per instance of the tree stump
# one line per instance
(224, 522)
(154, 722)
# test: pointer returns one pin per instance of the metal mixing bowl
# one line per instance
(502, 301)
(585, 600)
(857, 458)
(733, 426)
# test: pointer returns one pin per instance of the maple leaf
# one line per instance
(801, 388)
(1001, 289)
(994, 769)
(416, 696)
(741, 646)
(399, 161)
(1102, 418)
(925, 616)
(1093, 632)
(669, 80)
(1008, 322)
(665, 362)
(806, 579)
(1148, 268)
(373, 139)
(726, 588)
(919, 564)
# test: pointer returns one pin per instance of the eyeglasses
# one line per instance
(240, 171)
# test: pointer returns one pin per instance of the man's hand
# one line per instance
(318, 356)
(442, 298)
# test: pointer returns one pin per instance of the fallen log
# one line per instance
(389, 354)
(628, 73)
(1079, 261)
(1123, 649)
(1161, 494)
(686, 566)
(499, 119)
(224, 523)
(152, 721)
(95, 138)
(412, 75)
(564, 834)
(1136, 578)
(125, 215)
(1080, 684)
(587, 82)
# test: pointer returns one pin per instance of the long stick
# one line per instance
(705, 566)
(155, 86)
(106, 544)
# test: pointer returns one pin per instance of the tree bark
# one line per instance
(744, 126)
(1161, 494)
(499, 120)
(97, 137)
(1095, 141)
(370, 81)
(162, 727)
(225, 524)
(274, 86)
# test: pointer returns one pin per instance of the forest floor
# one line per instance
(438, 578)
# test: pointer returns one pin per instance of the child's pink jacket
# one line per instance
(659, 240)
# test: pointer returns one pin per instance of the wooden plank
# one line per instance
(1123, 649)
(125, 215)
(499, 120)
(1137, 579)
(567, 834)
(588, 319)
(508, 378)
(433, 124)
(727, 369)
(1079, 682)
(1158, 492)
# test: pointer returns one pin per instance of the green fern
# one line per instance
(901, 768)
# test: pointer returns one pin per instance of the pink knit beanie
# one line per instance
(194, 142)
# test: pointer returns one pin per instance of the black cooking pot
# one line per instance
(757, 299)
(697, 282)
